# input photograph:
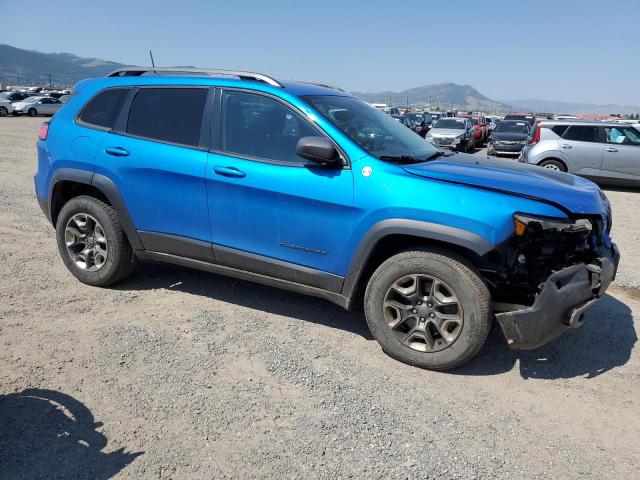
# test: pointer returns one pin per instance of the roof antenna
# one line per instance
(153, 64)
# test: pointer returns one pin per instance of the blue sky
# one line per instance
(567, 50)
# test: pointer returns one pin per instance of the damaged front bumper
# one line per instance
(558, 307)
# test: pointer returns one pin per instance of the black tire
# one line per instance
(3, 111)
(471, 292)
(120, 260)
(32, 112)
(553, 164)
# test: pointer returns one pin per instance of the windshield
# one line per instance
(512, 127)
(373, 130)
(30, 100)
(450, 123)
(4, 95)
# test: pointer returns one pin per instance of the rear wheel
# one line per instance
(553, 164)
(32, 112)
(92, 243)
(428, 308)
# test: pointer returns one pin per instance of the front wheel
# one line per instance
(3, 111)
(428, 308)
(92, 243)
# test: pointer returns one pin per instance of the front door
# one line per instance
(621, 153)
(271, 210)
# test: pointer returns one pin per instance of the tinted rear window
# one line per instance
(172, 115)
(581, 133)
(104, 108)
(559, 129)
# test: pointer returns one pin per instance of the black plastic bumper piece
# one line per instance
(44, 205)
(560, 304)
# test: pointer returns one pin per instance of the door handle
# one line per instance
(229, 172)
(611, 149)
(564, 145)
(116, 151)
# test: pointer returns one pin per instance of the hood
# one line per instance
(446, 132)
(573, 194)
(508, 136)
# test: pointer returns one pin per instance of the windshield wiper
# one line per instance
(398, 158)
(435, 155)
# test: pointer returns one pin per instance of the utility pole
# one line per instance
(49, 79)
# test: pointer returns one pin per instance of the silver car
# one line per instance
(37, 106)
(452, 132)
(604, 152)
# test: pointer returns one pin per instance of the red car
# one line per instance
(480, 129)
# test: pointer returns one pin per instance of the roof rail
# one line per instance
(321, 84)
(138, 71)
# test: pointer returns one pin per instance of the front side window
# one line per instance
(259, 126)
(581, 133)
(622, 135)
(103, 109)
(172, 115)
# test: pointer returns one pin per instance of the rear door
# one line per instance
(582, 146)
(156, 156)
(621, 153)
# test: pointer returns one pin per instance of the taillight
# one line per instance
(43, 131)
(536, 135)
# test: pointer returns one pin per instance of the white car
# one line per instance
(5, 108)
(37, 106)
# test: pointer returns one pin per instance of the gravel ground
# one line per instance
(180, 374)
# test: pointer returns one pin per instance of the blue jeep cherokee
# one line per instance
(304, 187)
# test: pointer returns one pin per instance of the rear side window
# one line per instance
(103, 110)
(581, 133)
(559, 129)
(172, 115)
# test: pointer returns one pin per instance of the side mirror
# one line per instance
(318, 149)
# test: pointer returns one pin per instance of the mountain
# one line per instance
(444, 95)
(29, 67)
(554, 106)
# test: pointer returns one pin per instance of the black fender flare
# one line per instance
(108, 189)
(415, 228)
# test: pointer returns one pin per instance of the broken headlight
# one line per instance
(530, 223)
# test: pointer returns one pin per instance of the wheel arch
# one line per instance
(69, 183)
(389, 237)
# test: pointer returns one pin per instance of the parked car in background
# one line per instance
(64, 98)
(407, 120)
(606, 152)
(33, 106)
(528, 117)
(452, 132)
(435, 116)
(14, 96)
(492, 121)
(5, 107)
(267, 183)
(423, 122)
(508, 138)
(480, 129)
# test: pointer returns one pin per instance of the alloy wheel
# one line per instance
(552, 166)
(423, 312)
(86, 242)
(3, 112)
